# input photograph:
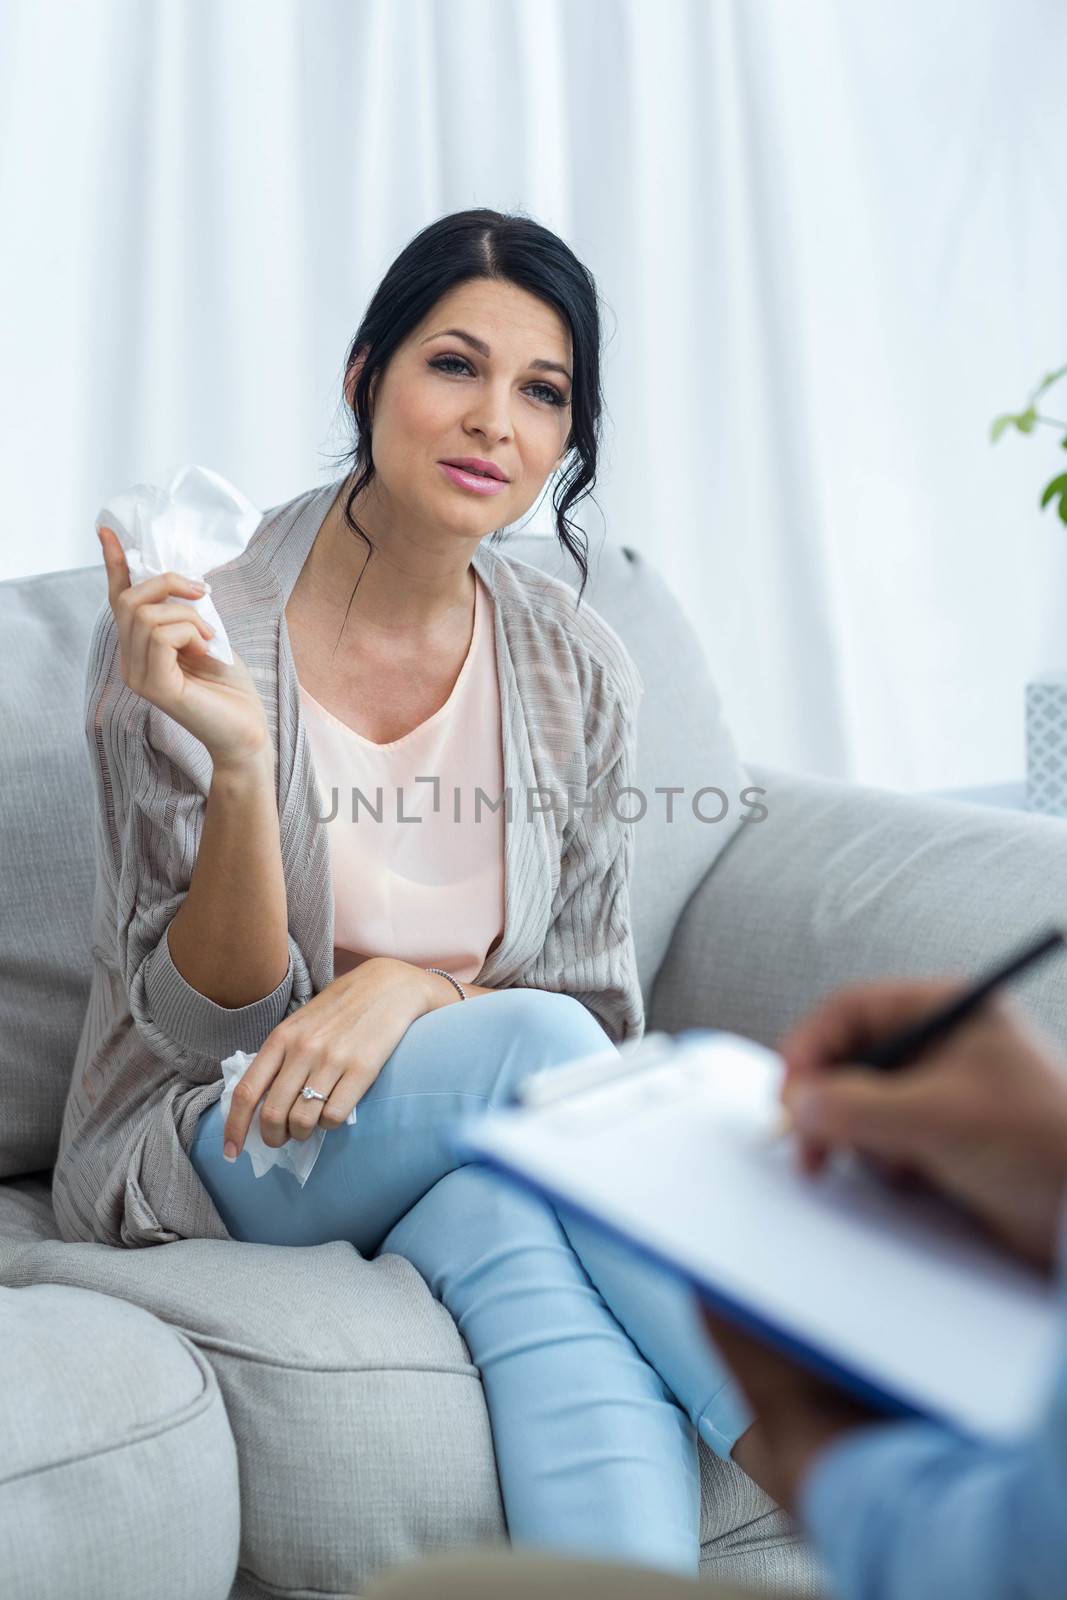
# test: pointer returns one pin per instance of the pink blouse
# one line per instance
(428, 891)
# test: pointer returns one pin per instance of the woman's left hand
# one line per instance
(338, 1043)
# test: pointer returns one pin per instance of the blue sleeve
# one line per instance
(910, 1511)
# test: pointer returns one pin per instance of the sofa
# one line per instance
(238, 1420)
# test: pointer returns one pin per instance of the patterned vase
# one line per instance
(1046, 744)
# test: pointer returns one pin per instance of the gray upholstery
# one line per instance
(842, 884)
(352, 1404)
(339, 1387)
(46, 854)
(87, 1490)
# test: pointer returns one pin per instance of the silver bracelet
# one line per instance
(451, 979)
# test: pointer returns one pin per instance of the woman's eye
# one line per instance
(554, 398)
(439, 362)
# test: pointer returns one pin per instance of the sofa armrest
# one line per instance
(843, 883)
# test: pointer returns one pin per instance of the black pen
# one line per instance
(900, 1048)
(897, 1049)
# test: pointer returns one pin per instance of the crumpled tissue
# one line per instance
(185, 519)
(298, 1156)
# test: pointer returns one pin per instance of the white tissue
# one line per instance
(188, 520)
(297, 1155)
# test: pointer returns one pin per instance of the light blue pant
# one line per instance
(592, 1409)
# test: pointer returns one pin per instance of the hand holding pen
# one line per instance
(979, 1111)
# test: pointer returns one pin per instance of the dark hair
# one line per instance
(487, 244)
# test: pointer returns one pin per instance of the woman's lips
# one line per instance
(471, 480)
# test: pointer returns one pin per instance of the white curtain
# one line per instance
(831, 235)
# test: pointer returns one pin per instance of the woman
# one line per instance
(248, 912)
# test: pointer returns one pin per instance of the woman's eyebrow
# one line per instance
(483, 350)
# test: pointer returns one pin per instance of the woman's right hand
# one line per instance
(163, 651)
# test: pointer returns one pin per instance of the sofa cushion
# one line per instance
(359, 1420)
(848, 883)
(118, 1480)
(47, 858)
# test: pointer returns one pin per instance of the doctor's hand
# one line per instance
(981, 1115)
(797, 1414)
(337, 1043)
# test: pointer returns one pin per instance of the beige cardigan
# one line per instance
(148, 1061)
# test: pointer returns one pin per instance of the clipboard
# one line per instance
(669, 1144)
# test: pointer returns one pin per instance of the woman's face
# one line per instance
(444, 395)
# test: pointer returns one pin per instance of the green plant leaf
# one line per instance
(1047, 381)
(1023, 420)
(1058, 487)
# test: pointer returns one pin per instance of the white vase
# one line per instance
(1046, 744)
